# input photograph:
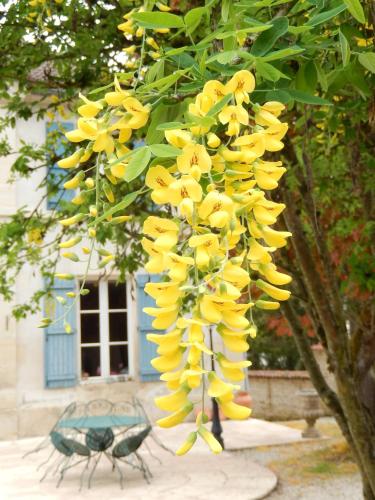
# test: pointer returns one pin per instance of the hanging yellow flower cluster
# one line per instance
(219, 233)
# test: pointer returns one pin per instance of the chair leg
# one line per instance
(83, 473)
(145, 470)
(64, 467)
(48, 469)
(93, 469)
(158, 442)
(116, 466)
(48, 459)
(40, 446)
(150, 452)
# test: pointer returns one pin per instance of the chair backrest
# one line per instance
(130, 444)
(99, 439)
(99, 407)
(61, 443)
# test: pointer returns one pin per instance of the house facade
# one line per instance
(105, 355)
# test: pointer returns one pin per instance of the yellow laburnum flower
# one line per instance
(236, 275)
(193, 376)
(215, 90)
(176, 417)
(172, 379)
(232, 370)
(185, 187)
(195, 328)
(90, 109)
(167, 363)
(200, 107)
(273, 107)
(71, 161)
(213, 141)
(174, 401)
(163, 230)
(217, 208)
(273, 291)
(234, 315)
(159, 179)
(187, 444)
(165, 294)
(218, 387)
(211, 307)
(241, 85)
(194, 160)
(178, 138)
(234, 235)
(71, 242)
(273, 276)
(233, 410)
(139, 113)
(233, 340)
(209, 438)
(164, 316)
(177, 266)
(267, 305)
(273, 136)
(259, 253)
(274, 238)
(162, 7)
(234, 116)
(157, 262)
(255, 143)
(206, 246)
(168, 343)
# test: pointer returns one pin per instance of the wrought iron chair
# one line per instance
(127, 449)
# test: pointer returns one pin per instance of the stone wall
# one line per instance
(276, 393)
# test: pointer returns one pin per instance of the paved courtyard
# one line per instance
(200, 475)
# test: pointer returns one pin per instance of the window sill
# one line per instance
(112, 379)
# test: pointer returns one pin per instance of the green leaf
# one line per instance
(158, 20)
(166, 82)
(224, 57)
(306, 98)
(164, 150)
(219, 105)
(322, 77)
(345, 49)
(225, 8)
(296, 30)
(193, 18)
(138, 163)
(128, 200)
(252, 29)
(279, 95)
(269, 72)
(170, 126)
(367, 59)
(267, 40)
(283, 53)
(325, 16)
(356, 10)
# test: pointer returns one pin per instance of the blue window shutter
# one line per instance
(147, 350)
(60, 364)
(54, 172)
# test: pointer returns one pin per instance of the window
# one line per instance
(104, 332)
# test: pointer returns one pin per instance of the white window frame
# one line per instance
(104, 343)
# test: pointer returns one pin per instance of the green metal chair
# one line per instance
(128, 447)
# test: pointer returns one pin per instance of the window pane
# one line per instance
(89, 328)
(91, 300)
(117, 327)
(118, 359)
(116, 295)
(90, 361)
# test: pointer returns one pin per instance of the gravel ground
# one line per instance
(290, 487)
